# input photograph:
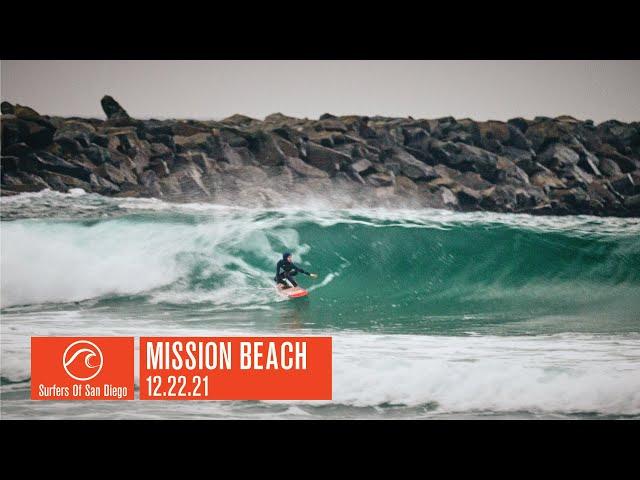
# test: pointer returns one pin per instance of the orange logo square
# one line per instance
(82, 368)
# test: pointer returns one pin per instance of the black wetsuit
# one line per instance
(288, 271)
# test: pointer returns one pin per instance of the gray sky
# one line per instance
(482, 90)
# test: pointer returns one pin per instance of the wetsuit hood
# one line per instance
(285, 255)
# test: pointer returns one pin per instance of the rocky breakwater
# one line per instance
(541, 166)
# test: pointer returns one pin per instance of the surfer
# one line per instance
(286, 269)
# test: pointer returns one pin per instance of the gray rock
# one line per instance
(190, 182)
(361, 166)
(406, 164)
(624, 184)
(102, 185)
(589, 162)
(61, 182)
(97, 155)
(326, 159)
(518, 155)
(542, 166)
(304, 169)
(546, 180)
(625, 163)
(200, 141)
(112, 109)
(117, 175)
(509, 173)
(161, 150)
(9, 164)
(7, 109)
(352, 175)
(632, 202)
(468, 196)
(381, 179)
(575, 176)
(69, 145)
(159, 166)
(610, 168)
(558, 156)
(46, 161)
(19, 150)
(233, 156)
(150, 182)
(265, 149)
(448, 197)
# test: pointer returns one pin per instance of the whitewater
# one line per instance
(434, 314)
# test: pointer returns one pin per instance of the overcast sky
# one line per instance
(482, 90)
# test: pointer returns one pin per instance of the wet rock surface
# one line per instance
(542, 166)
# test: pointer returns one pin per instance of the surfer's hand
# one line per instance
(313, 275)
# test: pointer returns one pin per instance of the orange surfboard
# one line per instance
(292, 292)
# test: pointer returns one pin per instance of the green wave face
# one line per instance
(471, 276)
(397, 271)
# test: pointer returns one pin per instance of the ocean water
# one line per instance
(434, 314)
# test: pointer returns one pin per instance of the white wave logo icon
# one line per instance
(82, 360)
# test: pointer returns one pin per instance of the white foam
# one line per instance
(566, 373)
(562, 373)
(70, 261)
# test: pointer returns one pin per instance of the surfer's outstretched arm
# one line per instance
(298, 269)
(304, 271)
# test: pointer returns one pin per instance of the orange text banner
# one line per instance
(235, 368)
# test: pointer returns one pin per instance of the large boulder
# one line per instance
(304, 169)
(574, 176)
(98, 155)
(468, 197)
(189, 180)
(9, 164)
(401, 162)
(589, 162)
(468, 158)
(265, 148)
(572, 200)
(26, 113)
(546, 180)
(37, 162)
(287, 147)
(633, 204)
(36, 132)
(470, 180)
(331, 125)
(558, 156)
(205, 142)
(327, 159)
(102, 185)
(361, 166)
(159, 166)
(406, 185)
(494, 136)
(381, 179)
(502, 198)
(62, 183)
(509, 173)
(189, 158)
(240, 120)
(625, 185)
(117, 175)
(112, 109)
(39, 135)
(545, 131)
(625, 137)
(609, 168)
(7, 109)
